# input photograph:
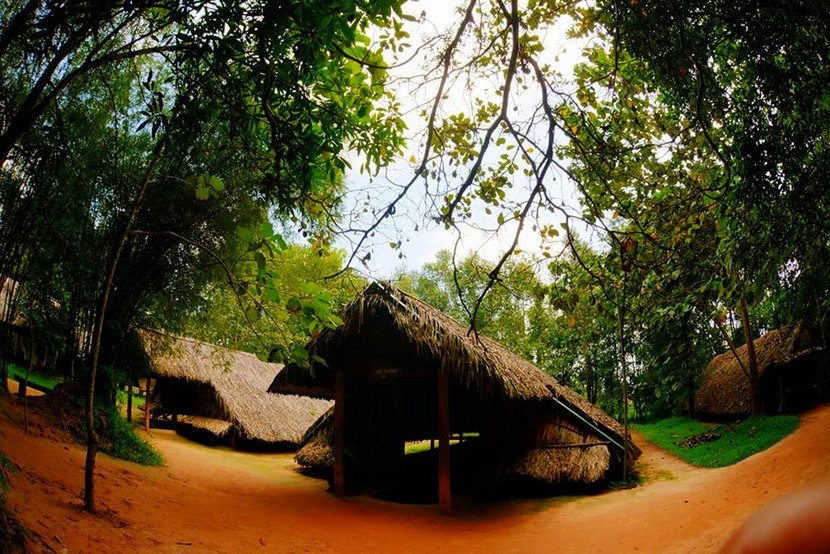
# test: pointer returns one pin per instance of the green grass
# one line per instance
(737, 440)
(124, 443)
(37, 379)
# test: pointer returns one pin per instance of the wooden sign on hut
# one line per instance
(221, 394)
(401, 371)
(792, 369)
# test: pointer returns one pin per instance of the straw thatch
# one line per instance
(559, 465)
(725, 389)
(217, 427)
(237, 383)
(315, 448)
(520, 409)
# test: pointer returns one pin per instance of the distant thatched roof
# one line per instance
(218, 427)
(240, 381)
(725, 388)
(477, 363)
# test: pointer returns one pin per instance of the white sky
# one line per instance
(419, 246)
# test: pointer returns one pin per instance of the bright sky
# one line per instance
(422, 238)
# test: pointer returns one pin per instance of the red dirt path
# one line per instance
(213, 499)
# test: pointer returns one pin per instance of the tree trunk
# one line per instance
(25, 385)
(590, 379)
(147, 406)
(754, 375)
(690, 369)
(624, 369)
(98, 329)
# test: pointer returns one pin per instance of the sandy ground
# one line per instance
(217, 500)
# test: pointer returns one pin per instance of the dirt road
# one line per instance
(217, 500)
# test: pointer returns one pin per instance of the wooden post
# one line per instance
(147, 407)
(339, 432)
(129, 403)
(444, 492)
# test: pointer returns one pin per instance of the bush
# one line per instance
(124, 443)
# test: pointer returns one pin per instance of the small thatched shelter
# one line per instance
(315, 451)
(219, 393)
(401, 371)
(792, 369)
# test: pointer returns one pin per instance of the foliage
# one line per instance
(122, 441)
(296, 304)
(736, 441)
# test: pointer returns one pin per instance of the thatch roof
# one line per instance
(217, 427)
(240, 381)
(476, 363)
(725, 388)
(560, 465)
(315, 447)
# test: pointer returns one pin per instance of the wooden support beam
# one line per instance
(339, 433)
(130, 403)
(147, 407)
(444, 492)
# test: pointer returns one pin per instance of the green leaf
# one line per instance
(280, 241)
(245, 233)
(267, 230)
(253, 314)
(216, 183)
(259, 257)
(294, 305)
(299, 353)
(272, 295)
(202, 193)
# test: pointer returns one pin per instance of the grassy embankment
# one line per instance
(717, 445)
(42, 381)
(119, 438)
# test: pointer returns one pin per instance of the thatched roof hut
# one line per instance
(315, 448)
(792, 370)
(391, 354)
(222, 392)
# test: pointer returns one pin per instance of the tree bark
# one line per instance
(25, 385)
(624, 369)
(147, 406)
(754, 376)
(690, 369)
(92, 436)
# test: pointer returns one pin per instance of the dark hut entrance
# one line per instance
(388, 399)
